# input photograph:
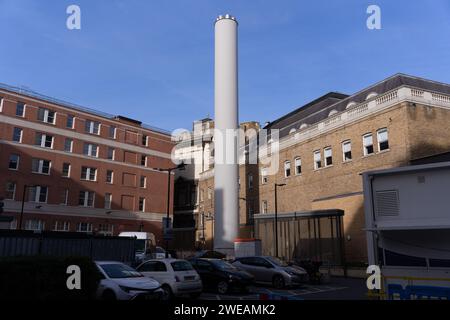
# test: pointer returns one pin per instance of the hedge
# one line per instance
(44, 278)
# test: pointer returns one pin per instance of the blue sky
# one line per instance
(153, 60)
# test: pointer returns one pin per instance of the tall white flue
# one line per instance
(226, 169)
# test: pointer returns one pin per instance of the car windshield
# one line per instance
(118, 270)
(181, 266)
(223, 265)
(277, 262)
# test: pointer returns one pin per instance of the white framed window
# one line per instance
(86, 199)
(1, 104)
(68, 145)
(108, 200)
(84, 227)
(63, 226)
(20, 109)
(328, 154)
(14, 160)
(44, 140)
(317, 160)
(40, 166)
(64, 197)
(38, 194)
(382, 138)
(111, 153)
(112, 132)
(144, 140)
(70, 121)
(46, 115)
(90, 150)
(209, 193)
(34, 225)
(367, 144)
(17, 135)
(92, 127)
(264, 177)
(143, 182)
(66, 170)
(346, 151)
(142, 204)
(143, 160)
(264, 206)
(10, 190)
(202, 194)
(250, 181)
(109, 176)
(287, 169)
(298, 166)
(106, 229)
(88, 174)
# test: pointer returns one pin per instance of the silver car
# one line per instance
(272, 270)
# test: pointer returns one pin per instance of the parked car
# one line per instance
(221, 276)
(272, 270)
(209, 254)
(121, 282)
(177, 277)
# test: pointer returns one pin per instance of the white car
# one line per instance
(121, 282)
(177, 277)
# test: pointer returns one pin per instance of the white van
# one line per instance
(145, 246)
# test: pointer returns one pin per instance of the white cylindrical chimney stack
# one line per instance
(226, 168)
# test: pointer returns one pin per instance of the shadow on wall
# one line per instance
(62, 189)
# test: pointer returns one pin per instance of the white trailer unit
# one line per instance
(407, 213)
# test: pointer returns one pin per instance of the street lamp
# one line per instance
(276, 216)
(181, 166)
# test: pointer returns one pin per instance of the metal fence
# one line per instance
(63, 244)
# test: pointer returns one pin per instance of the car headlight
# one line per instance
(232, 278)
(126, 289)
(291, 273)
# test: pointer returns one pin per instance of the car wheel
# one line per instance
(222, 287)
(167, 293)
(109, 295)
(278, 281)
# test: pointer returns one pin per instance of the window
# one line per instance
(144, 140)
(40, 166)
(287, 169)
(44, 140)
(68, 145)
(111, 153)
(64, 197)
(17, 135)
(89, 174)
(112, 132)
(328, 154)
(10, 191)
(46, 115)
(66, 170)
(346, 151)
(35, 225)
(141, 204)
(202, 194)
(153, 266)
(90, 150)
(317, 160)
(368, 144)
(250, 181)
(382, 137)
(20, 109)
(14, 162)
(143, 182)
(106, 229)
(37, 194)
(298, 166)
(209, 193)
(264, 178)
(84, 227)
(70, 122)
(109, 176)
(61, 226)
(143, 160)
(86, 199)
(108, 200)
(92, 127)
(264, 206)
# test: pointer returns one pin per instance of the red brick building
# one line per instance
(81, 170)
